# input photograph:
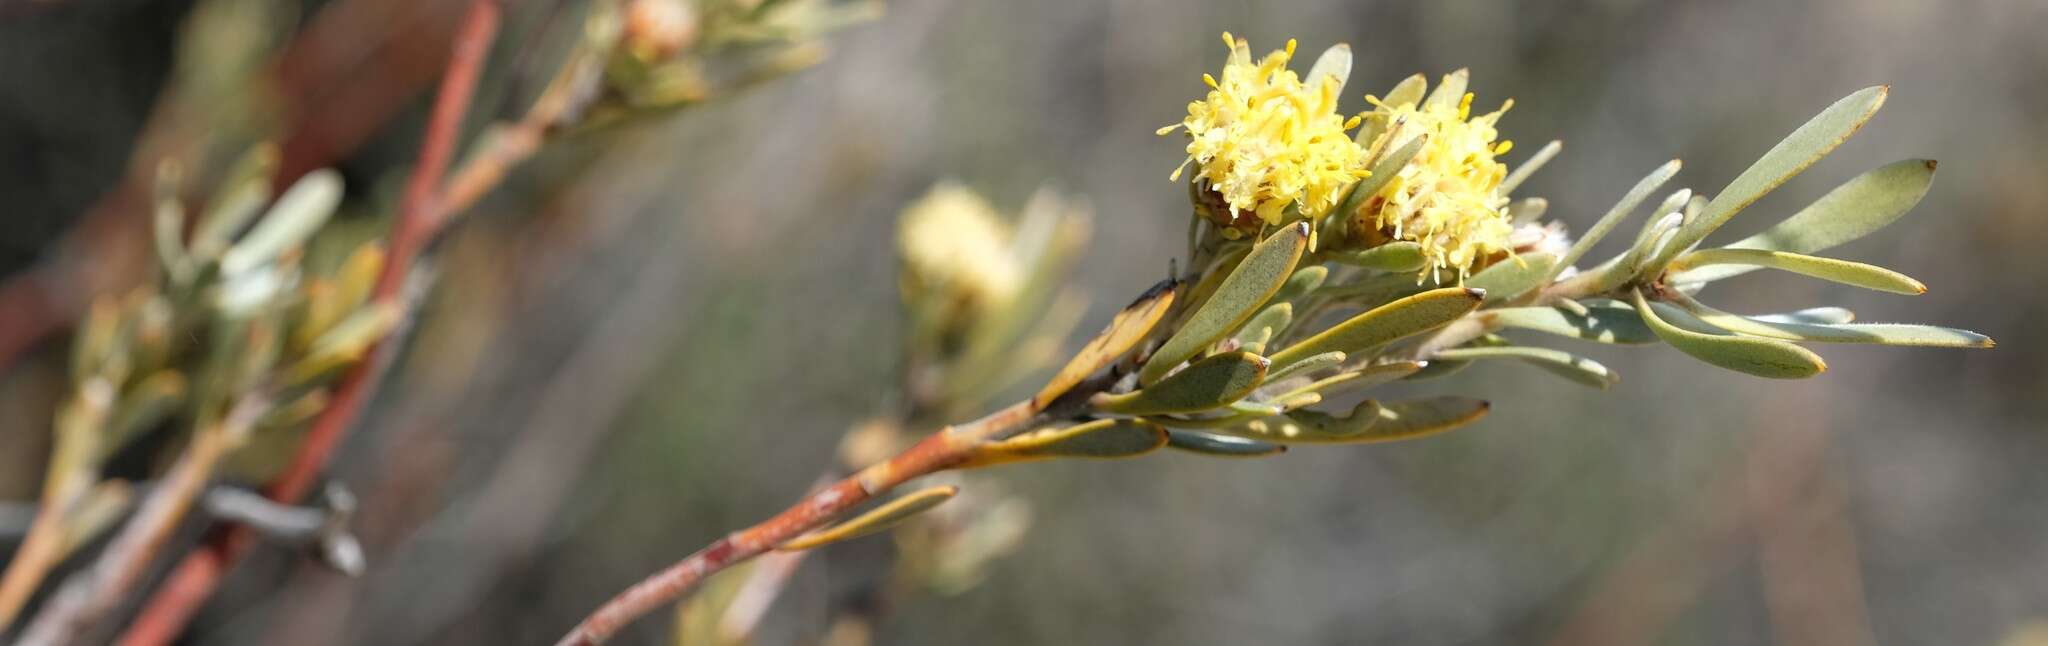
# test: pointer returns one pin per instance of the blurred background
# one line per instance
(658, 332)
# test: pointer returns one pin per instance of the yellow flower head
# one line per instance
(1448, 197)
(1263, 139)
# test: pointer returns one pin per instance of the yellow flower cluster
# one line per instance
(1448, 197)
(953, 239)
(1264, 140)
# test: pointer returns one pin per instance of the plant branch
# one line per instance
(937, 452)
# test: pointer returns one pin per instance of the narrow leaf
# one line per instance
(1250, 286)
(1853, 210)
(1101, 439)
(1385, 324)
(1829, 269)
(1335, 63)
(1124, 332)
(1383, 171)
(880, 518)
(1399, 256)
(1816, 315)
(1513, 277)
(1265, 326)
(1760, 357)
(1304, 282)
(1370, 422)
(1878, 333)
(1614, 217)
(1794, 154)
(289, 223)
(1203, 385)
(1527, 168)
(1604, 322)
(1570, 366)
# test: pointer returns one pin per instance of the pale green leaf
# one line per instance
(1604, 322)
(1878, 333)
(1760, 357)
(1829, 269)
(1853, 210)
(290, 222)
(1794, 154)
(1513, 277)
(1570, 366)
(1614, 217)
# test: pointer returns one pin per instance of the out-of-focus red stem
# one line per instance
(420, 216)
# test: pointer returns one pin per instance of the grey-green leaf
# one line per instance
(1570, 366)
(1604, 322)
(1841, 271)
(1853, 210)
(291, 221)
(1304, 282)
(1794, 154)
(1099, 439)
(1878, 333)
(1248, 288)
(1513, 277)
(1383, 171)
(1385, 324)
(1399, 255)
(1203, 385)
(1614, 217)
(1369, 422)
(1760, 357)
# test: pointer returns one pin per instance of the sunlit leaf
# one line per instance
(1853, 210)
(1829, 269)
(1878, 333)
(1335, 63)
(1124, 332)
(1385, 324)
(1369, 422)
(1570, 366)
(1102, 439)
(290, 222)
(1614, 217)
(1203, 385)
(1794, 154)
(1250, 286)
(1604, 321)
(1513, 277)
(1760, 357)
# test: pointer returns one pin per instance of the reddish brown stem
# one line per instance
(420, 216)
(940, 451)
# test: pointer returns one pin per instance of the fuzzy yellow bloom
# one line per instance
(953, 239)
(1263, 139)
(1449, 197)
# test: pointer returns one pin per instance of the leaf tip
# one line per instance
(1475, 293)
(1930, 164)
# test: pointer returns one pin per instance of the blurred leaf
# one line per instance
(1221, 445)
(241, 195)
(1250, 286)
(149, 402)
(1449, 91)
(1528, 210)
(290, 222)
(1760, 357)
(1129, 327)
(1101, 439)
(1829, 269)
(1604, 321)
(1438, 369)
(1855, 209)
(874, 520)
(1513, 277)
(346, 342)
(1794, 154)
(1385, 324)
(1570, 366)
(1409, 90)
(1614, 217)
(1203, 385)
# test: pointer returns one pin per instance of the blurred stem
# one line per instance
(937, 452)
(422, 215)
(71, 474)
(90, 594)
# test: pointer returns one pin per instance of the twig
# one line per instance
(90, 594)
(420, 217)
(938, 452)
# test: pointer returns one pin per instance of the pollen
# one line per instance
(1264, 140)
(1449, 197)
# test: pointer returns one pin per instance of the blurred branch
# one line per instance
(90, 594)
(421, 215)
